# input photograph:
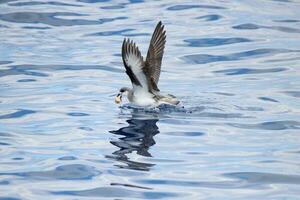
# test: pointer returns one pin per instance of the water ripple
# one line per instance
(130, 185)
(36, 27)
(17, 114)
(77, 114)
(250, 26)
(275, 125)
(34, 3)
(93, 1)
(287, 20)
(28, 69)
(186, 134)
(206, 58)
(5, 62)
(268, 99)
(9, 198)
(197, 184)
(26, 80)
(265, 178)
(293, 93)
(4, 182)
(242, 71)
(64, 172)
(186, 7)
(116, 192)
(110, 33)
(53, 19)
(210, 42)
(209, 17)
(253, 180)
(113, 7)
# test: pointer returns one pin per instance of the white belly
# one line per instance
(143, 98)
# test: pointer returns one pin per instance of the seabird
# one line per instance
(144, 74)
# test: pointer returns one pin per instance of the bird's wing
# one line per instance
(154, 55)
(134, 64)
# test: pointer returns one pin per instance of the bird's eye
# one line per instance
(122, 90)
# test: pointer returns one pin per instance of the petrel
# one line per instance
(144, 74)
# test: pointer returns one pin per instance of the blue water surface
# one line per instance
(233, 64)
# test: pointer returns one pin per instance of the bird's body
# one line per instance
(144, 74)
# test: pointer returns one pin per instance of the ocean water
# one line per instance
(234, 65)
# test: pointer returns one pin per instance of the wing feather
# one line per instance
(145, 74)
(155, 54)
(134, 64)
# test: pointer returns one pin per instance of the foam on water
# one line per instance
(161, 109)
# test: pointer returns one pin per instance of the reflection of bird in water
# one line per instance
(144, 74)
(137, 136)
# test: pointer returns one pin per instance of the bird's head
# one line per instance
(118, 98)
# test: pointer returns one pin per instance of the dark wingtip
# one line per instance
(124, 41)
(123, 44)
(160, 24)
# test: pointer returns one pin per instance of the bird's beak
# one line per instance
(118, 99)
